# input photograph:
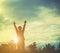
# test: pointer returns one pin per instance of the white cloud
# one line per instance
(45, 26)
(48, 15)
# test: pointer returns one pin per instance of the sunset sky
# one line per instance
(43, 20)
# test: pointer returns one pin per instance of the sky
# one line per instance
(42, 16)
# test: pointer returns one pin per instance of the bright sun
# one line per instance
(15, 39)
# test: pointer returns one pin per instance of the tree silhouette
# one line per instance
(33, 48)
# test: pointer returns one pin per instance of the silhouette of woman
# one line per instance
(20, 35)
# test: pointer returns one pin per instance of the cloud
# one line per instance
(25, 9)
(41, 15)
(46, 25)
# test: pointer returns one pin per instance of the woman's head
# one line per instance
(19, 27)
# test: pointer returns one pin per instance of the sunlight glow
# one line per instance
(15, 39)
